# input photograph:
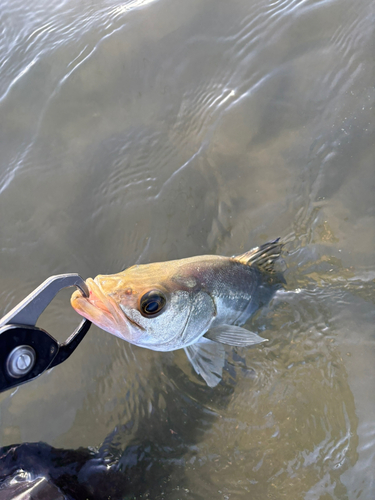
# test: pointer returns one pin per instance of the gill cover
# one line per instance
(181, 322)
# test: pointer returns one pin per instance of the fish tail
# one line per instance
(263, 257)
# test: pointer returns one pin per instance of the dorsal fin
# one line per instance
(263, 257)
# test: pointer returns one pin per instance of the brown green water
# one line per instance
(152, 130)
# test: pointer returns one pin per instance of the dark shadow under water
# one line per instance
(140, 468)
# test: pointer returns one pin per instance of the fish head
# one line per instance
(146, 306)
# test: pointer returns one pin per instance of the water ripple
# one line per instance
(27, 32)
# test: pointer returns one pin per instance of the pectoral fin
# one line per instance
(233, 335)
(208, 360)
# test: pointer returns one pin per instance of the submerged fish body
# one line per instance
(196, 303)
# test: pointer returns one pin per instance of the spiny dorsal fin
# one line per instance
(263, 257)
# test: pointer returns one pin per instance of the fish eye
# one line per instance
(152, 303)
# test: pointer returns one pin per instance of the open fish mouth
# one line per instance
(99, 309)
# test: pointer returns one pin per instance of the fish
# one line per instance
(198, 304)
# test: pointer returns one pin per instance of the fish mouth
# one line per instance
(100, 309)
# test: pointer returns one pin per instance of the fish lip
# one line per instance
(105, 312)
(112, 302)
(97, 300)
(97, 297)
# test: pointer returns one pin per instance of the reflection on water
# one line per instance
(145, 131)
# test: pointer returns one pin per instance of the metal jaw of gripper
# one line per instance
(26, 351)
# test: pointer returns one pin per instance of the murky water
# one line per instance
(151, 130)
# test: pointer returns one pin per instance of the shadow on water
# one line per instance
(150, 464)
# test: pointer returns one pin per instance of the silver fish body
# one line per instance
(190, 303)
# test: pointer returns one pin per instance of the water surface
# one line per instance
(152, 130)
